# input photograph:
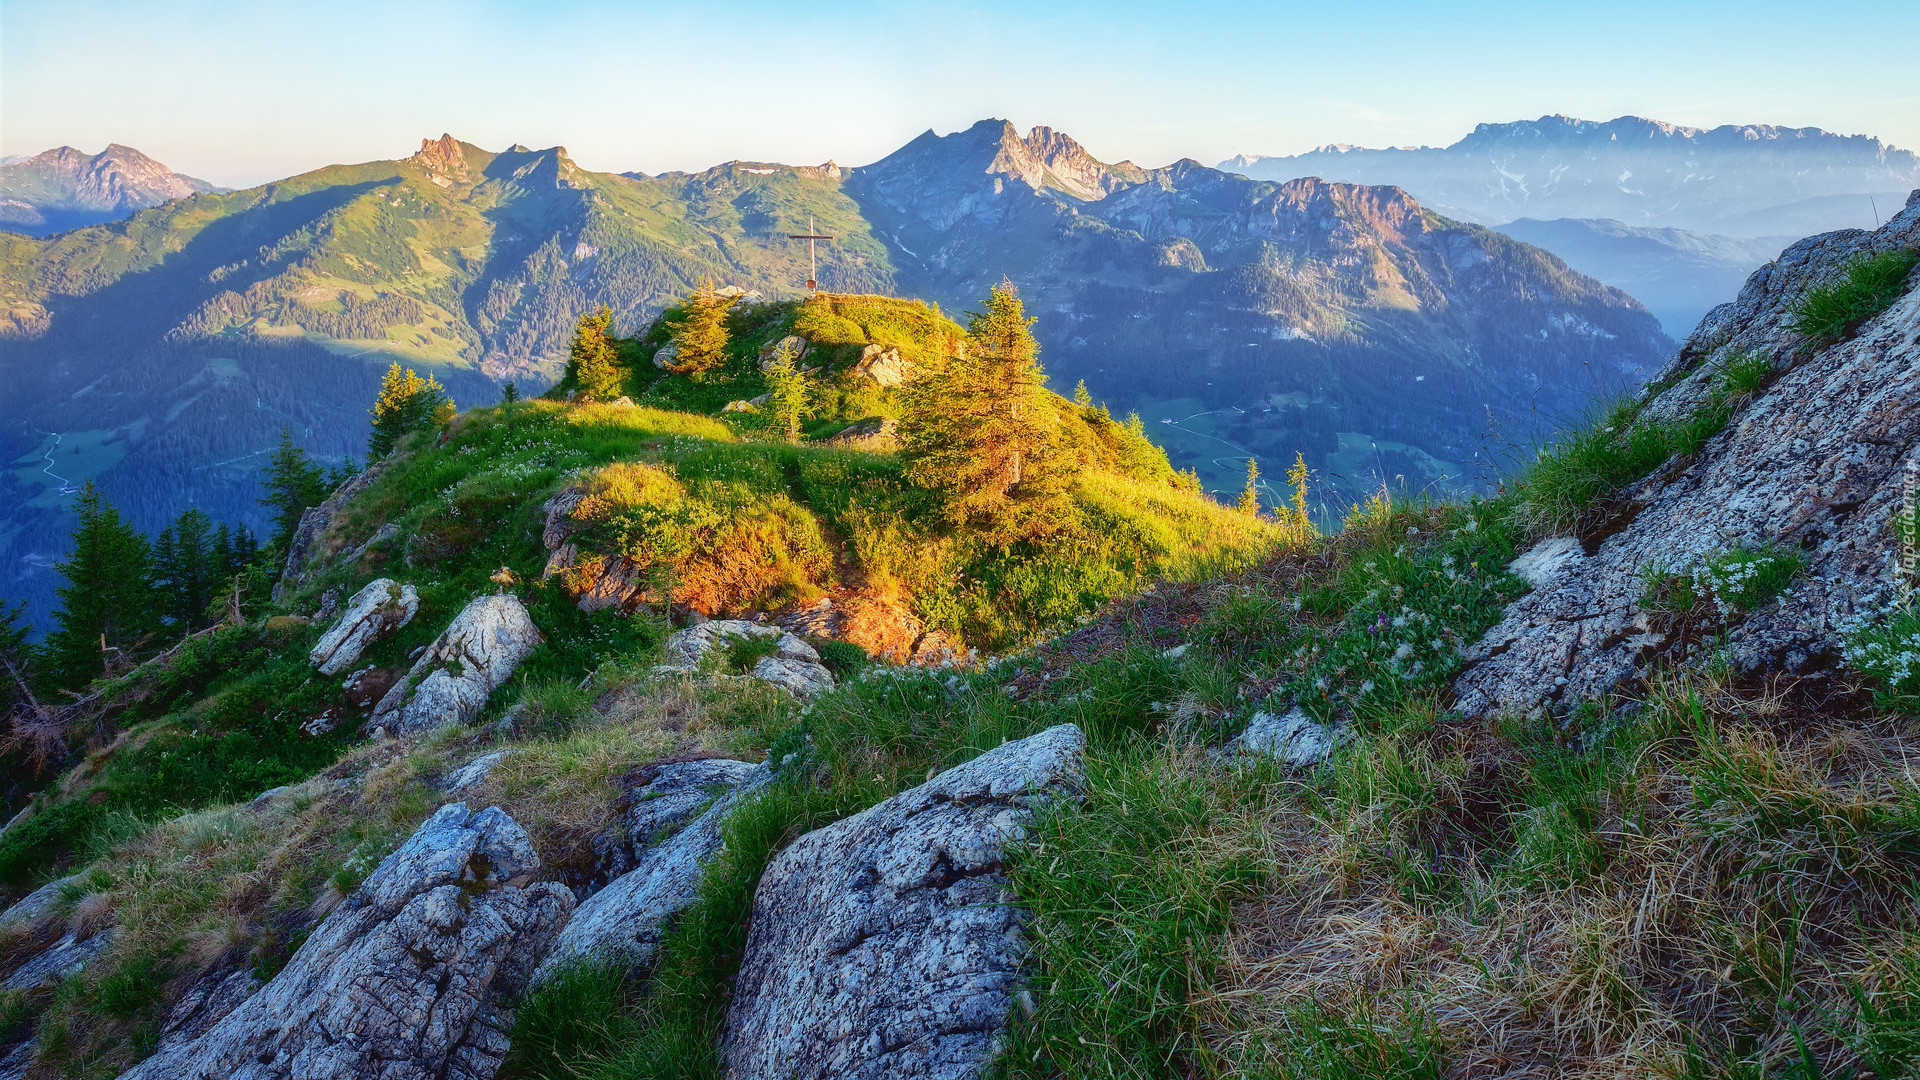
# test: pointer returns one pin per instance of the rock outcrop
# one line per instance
(451, 681)
(410, 977)
(883, 365)
(304, 550)
(883, 945)
(623, 921)
(794, 344)
(1819, 461)
(879, 434)
(1293, 738)
(793, 665)
(377, 610)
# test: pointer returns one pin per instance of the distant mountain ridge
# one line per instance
(1743, 180)
(1256, 319)
(64, 188)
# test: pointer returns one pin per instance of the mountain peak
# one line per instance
(444, 160)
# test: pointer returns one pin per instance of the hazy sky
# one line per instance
(239, 93)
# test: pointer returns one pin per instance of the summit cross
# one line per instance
(812, 234)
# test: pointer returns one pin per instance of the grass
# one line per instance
(1864, 288)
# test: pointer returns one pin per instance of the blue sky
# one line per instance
(244, 92)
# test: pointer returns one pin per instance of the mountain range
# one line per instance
(162, 354)
(66, 188)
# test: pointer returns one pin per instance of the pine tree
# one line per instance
(1082, 396)
(1297, 510)
(406, 403)
(592, 362)
(246, 551)
(976, 428)
(700, 335)
(293, 483)
(106, 606)
(187, 569)
(509, 392)
(1250, 495)
(789, 394)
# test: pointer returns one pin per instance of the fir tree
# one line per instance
(1297, 508)
(976, 428)
(592, 362)
(246, 551)
(106, 606)
(293, 482)
(509, 392)
(789, 394)
(1250, 495)
(700, 334)
(188, 569)
(1083, 397)
(406, 403)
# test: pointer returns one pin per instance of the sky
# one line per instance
(243, 92)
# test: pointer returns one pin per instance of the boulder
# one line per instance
(1292, 738)
(793, 666)
(1820, 460)
(883, 365)
(879, 434)
(377, 610)
(884, 945)
(452, 679)
(666, 357)
(411, 976)
(794, 342)
(474, 772)
(623, 922)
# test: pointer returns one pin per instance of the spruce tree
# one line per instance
(1082, 396)
(976, 428)
(789, 395)
(106, 606)
(1250, 495)
(293, 482)
(187, 569)
(406, 403)
(1297, 510)
(700, 334)
(592, 361)
(509, 392)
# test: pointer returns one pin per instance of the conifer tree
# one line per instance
(976, 427)
(789, 394)
(293, 482)
(106, 606)
(188, 569)
(1082, 396)
(246, 551)
(592, 362)
(1297, 508)
(700, 334)
(1250, 495)
(406, 403)
(509, 392)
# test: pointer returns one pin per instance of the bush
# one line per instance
(1866, 287)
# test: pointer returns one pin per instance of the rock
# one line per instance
(322, 724)
(665, 358)
(737, 406)
(883, 365)
(452, 680)
(378, 609)
(793, 666)
(1546, 558)
(304, 553)
(37, 903)
(1293, 738)
(884, 945)
(369, 685)
(58, 960)
(329, 605)
(411, 976)
(380, 536)
(207, 1002)
(1819, 461)
(879, 434)
(623, 922)
(14, 1064)
(622, 402)
(794, 342)
(474, 772)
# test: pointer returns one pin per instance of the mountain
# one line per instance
(65, 188)
(1678, 274)
(162, 354)
(1751, 180)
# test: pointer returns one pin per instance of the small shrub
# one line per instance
(843, 658)
(742, 651)
(1865, 288)
(1889, 652)
(1666, 593)
(1744, 578)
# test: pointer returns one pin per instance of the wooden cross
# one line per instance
(810, 236)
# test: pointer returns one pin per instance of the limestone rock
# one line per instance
(378, 609)
(623, 922)
(883, 945)
(304, 550)
(883, 365)
(794, 666)
(1545, 559)
(55, 962)
(1819, 461)
(879, 434)
(411, 976)
(1292, 738)
(793, 342)
(452, 680)
(209, 1001)
(474, 772)
(666, 357)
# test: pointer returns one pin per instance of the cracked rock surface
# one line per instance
(1820, 460)
(452, 680)
(377, 610)
(794, 666)
(624, 921)
(410, 977)
(884, 945)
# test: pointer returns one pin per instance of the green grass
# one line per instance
(1865, 288)
(1888, 650)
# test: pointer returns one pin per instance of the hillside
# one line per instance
(1606, 773)
(165, 352)
(65, 189)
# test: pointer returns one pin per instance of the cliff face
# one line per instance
(1820, 463)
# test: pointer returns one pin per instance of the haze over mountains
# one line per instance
(66, 188)
(1352, 324)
